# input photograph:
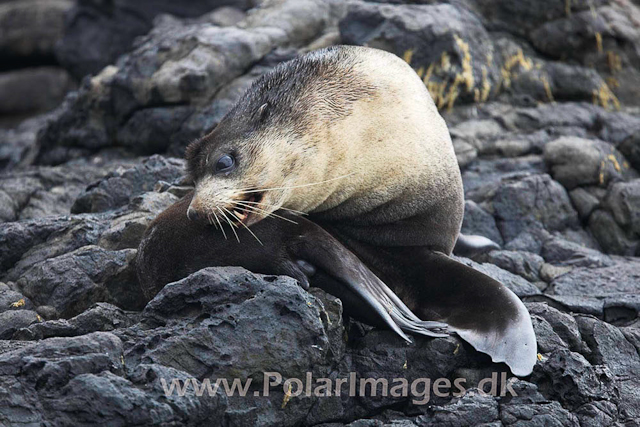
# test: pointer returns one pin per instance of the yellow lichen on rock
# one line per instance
(19, 303)
(408, 55)
(605, 97)
(547, 88)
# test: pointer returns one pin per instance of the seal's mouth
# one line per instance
(248, 210)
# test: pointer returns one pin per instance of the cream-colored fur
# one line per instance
(392, 143)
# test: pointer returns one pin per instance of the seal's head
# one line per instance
(271, 148)
(237, 174)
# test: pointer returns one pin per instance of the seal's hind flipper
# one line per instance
(469, 245)
(481, 310)
(363, 294)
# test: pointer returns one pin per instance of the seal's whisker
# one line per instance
(230, 223)
(252, 233)
(221, 227)
(243, 191)
(266, 213)
(210, 219)
(274, 206)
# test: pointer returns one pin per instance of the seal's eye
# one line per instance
(225, 163)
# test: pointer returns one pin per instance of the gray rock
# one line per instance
(12, 320)
(465, 153)
(582, 119)
(95, 36)
(517, 284)
(11, 299)
(470, 409)
(31, 242)
(557, 250)
(577, 162)
(252, 307)
(622, 277)
(623, 201)
(533, 201)
(610, 235)
(569, 377)
(17, 238)
(100, 317)
(119, 187)
(81, 379)
(521, 18)
(447, 38)
(630, 148)
(584, 201)
(167, 74)
(33, 90)
(74, 281)
(610, 348)
(478, 221)
(546, 338)
(595, 414)
(524, 264)
(18, 144)
(144, 139)
(483, 176)
(573, 36)
(538, 415)
(235, 324)
(47, 191)
(30, 29)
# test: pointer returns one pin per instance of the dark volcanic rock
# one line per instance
(29, 30)
(18, 146)
(100, 317)
(96, 33)
(610, 348)
(569, 377)
(175, 67)
(18, 238)
(235, 324)
(40, 89)
(535, 201)
(478, 221)
(524, 264)
(72, 282)
(119, 187)
(531, 93)
(12, 320)
(622, 277)
(443, 38)
(48, 191)
(249, 311)
(579, 162)
(72, 381)
(471, 409)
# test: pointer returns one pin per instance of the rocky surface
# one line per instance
(31, 82)
(541, 99)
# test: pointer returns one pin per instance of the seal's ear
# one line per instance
(263, 112)
(364, 296)
(481, 310)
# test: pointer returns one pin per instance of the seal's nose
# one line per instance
(192, 214)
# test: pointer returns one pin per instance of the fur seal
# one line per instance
(174, 247)
(464, 299)
(351, 136)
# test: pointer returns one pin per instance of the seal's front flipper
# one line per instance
(364, 295)
(481, 310)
